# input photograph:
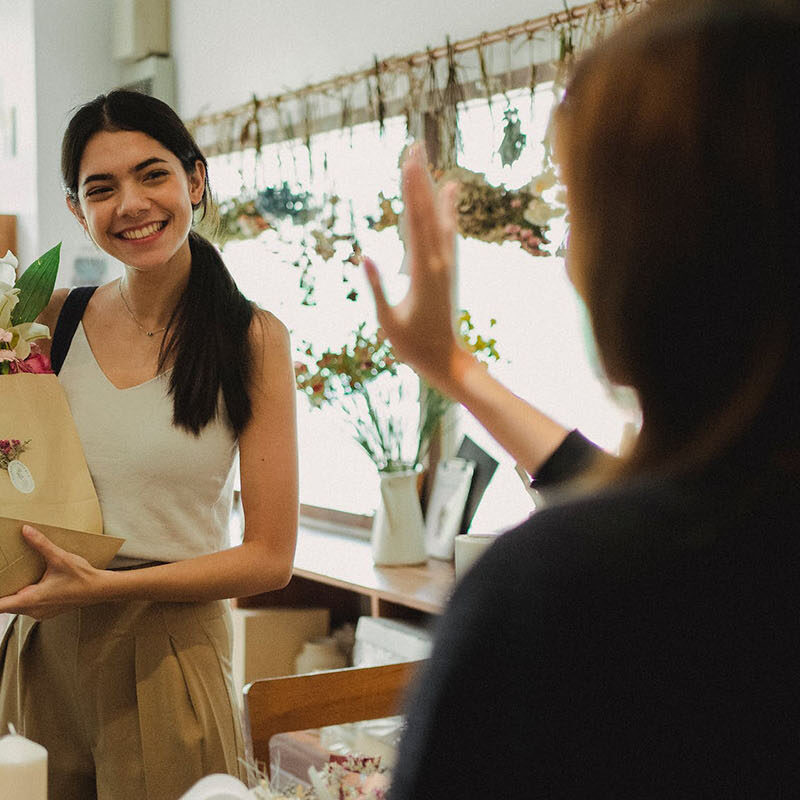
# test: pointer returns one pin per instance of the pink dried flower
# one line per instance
(36, 364)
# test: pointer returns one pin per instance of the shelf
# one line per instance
(339, 568)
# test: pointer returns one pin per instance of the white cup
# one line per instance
(469, 547)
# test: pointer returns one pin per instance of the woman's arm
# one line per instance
(268, 458)
(421, 327)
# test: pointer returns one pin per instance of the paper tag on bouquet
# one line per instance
(21, 478)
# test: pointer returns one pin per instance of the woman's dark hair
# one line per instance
(680, 142)
(207, 336)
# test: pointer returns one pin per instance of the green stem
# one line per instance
(375, 421)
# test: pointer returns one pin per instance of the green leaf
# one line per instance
(36, 286)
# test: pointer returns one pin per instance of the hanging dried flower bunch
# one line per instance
(492, 213)
(513, 138)
(252, 213)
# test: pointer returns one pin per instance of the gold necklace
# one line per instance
(133, 316)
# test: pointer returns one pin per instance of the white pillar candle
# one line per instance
(23, 768)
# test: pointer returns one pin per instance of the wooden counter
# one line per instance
(336, 571)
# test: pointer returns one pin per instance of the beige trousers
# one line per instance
(133, 701)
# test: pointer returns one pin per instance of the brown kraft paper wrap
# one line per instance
(50, 488)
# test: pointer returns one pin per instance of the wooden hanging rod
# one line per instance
(406, 63)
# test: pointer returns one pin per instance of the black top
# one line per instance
(574, 455)
(640, 642)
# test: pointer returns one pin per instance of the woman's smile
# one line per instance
(144, 233)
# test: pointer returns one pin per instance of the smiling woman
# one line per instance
(138, 208)
(169, 372)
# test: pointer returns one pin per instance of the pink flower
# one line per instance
(37, 364)
(8, 355)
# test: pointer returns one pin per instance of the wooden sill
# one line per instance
(339, 519)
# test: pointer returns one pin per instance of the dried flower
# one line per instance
(11, 450)
(357, 379)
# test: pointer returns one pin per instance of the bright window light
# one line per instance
(541, 333)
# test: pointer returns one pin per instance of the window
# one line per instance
(541, 336)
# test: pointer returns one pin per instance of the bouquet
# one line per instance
(44, 479)
(18, 312)
(362, 381)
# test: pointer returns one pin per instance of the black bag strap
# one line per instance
(71, 314)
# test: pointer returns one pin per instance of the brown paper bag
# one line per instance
(48, 485)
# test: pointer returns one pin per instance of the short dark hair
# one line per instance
(680, 139)
(208, 333)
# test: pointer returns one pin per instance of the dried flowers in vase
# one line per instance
(361, 379)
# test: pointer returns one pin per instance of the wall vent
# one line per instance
(141, 29)
(154, 76)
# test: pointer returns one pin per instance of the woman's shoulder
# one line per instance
(266, 322)
(270, 349)
(267, 332)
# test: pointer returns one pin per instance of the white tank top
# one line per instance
(167, 492)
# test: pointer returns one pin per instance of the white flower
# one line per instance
(8, 270)
(18, 336)
(25, 333)
(8, 299)
(540, 213)
(541, 183)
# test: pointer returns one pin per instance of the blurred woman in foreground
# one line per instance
(640, 640)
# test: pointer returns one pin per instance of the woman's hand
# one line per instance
(68, 581)
(421, 327)
(422, 332)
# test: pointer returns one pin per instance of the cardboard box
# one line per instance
(389, 641)
(266, 641)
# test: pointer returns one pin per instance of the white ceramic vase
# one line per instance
(398, 530)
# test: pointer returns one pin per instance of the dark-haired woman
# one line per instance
(169, 371)
(641, 640)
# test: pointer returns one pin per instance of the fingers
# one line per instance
(448, 218)
(38, 541)
(420, 209)
(374, 279)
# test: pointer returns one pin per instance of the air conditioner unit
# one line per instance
(141, 29)
(154, 76)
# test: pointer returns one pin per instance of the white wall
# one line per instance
(73, 65)
(227, 52)
(17, 90)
